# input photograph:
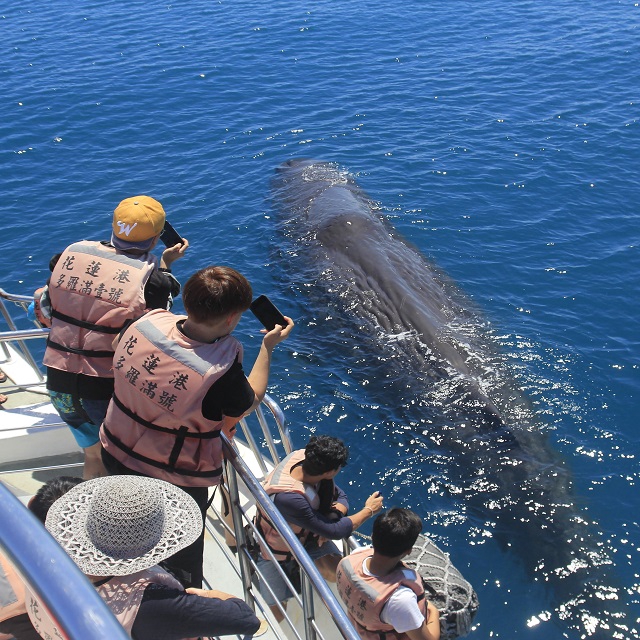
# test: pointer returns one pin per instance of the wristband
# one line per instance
(370, 509)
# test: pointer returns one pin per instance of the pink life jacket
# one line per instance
(280, 481)
(365, 595)
(122, 594)
(94, 289)
(12, 595)
(154, 424)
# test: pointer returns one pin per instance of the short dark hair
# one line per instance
(48, 493)
(324, 453)
(214, 292)
(395, 532)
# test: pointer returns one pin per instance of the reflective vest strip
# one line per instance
(134, 263)
(368, 590)
(159, 339)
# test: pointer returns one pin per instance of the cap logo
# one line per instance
(126, 228)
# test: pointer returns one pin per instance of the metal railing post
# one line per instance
(308, 567)
(238, 525)
(307, 607)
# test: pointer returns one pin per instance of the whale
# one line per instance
(421, 326)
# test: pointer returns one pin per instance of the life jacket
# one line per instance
(154, 424)
(365, 595)
(94, 290)
(42, 306)
(12, 594)
(122, 594)
(280, 481)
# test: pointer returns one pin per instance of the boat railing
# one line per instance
(16, 335)
(311, 580)
(274, 448)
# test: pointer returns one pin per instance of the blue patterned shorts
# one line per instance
(85, 427)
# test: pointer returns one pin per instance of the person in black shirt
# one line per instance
(179, 384)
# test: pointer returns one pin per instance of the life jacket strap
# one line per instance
(181, 433)
(83, 324)
(87, 353)
(304, 535)
(214, 473)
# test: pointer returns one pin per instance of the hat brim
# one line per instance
(67, 523)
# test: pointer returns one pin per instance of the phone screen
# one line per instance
(268, 314)
(169, 236)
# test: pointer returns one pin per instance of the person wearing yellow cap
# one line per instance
(95, 289)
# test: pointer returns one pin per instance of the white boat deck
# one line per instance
(27, 413)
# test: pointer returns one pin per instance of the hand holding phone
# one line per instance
(169, 236)
(267, 312)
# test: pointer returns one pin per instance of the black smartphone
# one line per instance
(267, 312)
(169, 236)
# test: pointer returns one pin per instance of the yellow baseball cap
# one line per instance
(138, 219)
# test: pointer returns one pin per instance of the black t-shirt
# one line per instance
(170, 614)
(230, 395)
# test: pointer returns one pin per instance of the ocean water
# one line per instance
(501, 139)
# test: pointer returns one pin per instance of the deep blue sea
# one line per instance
(502, 139)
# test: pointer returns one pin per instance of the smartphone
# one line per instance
(169, 236)
(267, 312)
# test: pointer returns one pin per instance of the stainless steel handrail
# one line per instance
(14, 334)
(53, 576)
(311, 578)
(23, 334)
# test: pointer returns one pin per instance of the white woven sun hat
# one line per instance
(119, 525)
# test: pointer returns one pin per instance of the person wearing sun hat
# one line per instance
(117, 530)
(94, 290)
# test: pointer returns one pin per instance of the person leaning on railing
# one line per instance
(302, 488)
(382, 595)
(179, 383)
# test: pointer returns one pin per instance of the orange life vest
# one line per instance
(365, 595)
(94, 289)
(280, 481)
(154, 424)
(12, 595)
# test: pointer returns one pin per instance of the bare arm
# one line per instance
(210, 593)
(371, 507)
(430, 629)
(171, 254)
(259, 376)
